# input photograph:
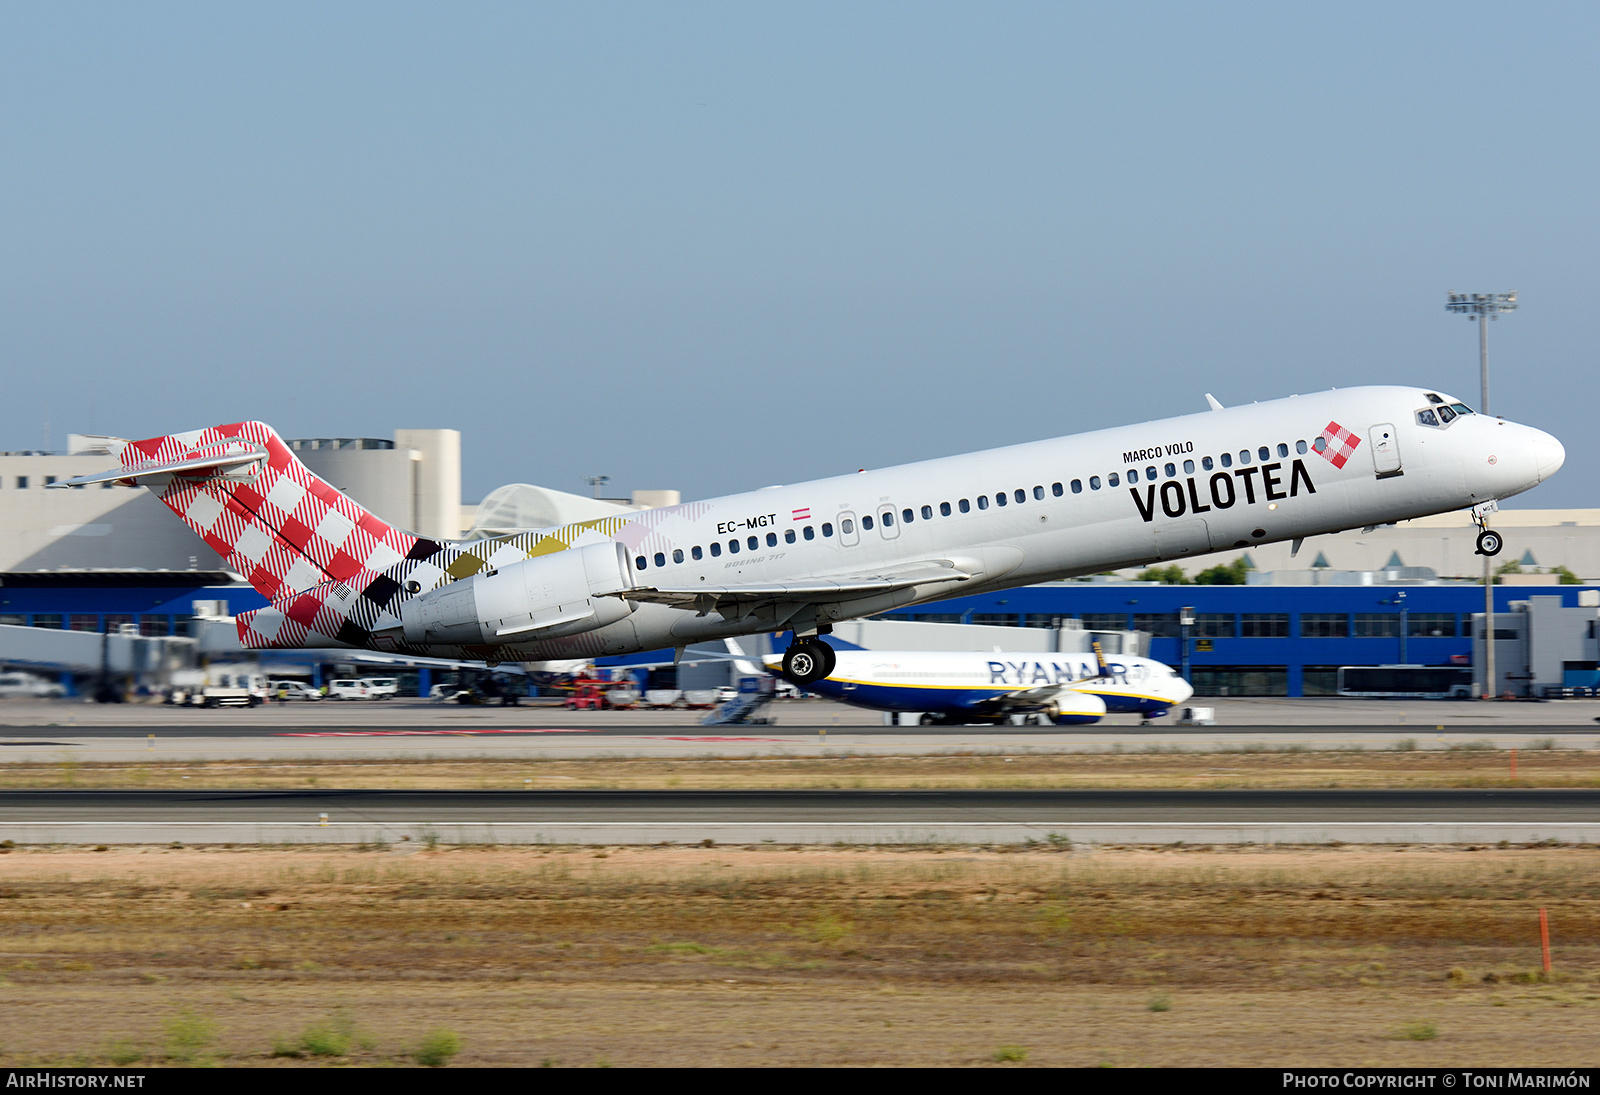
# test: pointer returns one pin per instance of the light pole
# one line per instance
(1481, 308)
(1400, 599)
(1185, 622)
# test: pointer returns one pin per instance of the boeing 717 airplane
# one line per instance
(806, 556)
(952, 687)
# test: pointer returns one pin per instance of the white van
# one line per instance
(381, 688)
(349, 689)
(29, 685)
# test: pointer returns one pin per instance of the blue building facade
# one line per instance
(1258, 640)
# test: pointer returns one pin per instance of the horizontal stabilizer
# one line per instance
(221, 462)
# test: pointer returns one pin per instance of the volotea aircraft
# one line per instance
(950, 687)
(803, 557)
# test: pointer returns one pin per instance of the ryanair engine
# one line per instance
(546, 597)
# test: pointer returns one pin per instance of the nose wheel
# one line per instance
(1489, 542)
(808, 661)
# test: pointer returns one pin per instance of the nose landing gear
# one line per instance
(808, 660)
(1489, 541)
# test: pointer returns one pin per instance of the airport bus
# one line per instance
(1423, 682)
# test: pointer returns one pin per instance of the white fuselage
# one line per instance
(1127, 496)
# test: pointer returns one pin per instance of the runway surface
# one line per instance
(1034, 806)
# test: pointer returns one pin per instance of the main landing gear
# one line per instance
(808, 660)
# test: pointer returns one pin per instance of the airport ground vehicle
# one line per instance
(802, 556)
(381, 688)
(349, 688)
(586, 696)
(217, 686)
(29, 685)
(292, 690)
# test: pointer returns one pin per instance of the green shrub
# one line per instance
(1159, 1001)
(436, 1049)
(188, 1034)
(1003, 1054)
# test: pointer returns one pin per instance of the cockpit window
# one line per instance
(1446, 414)
(1433, 398)
(1427, 418)
(1461, 408)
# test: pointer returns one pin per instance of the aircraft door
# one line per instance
(848, 536)
(888, 522)
(1176, 539)
(1385, 450)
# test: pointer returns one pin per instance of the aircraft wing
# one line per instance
(1025, 699)
(834, 587)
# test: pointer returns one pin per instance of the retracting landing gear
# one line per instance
(1489, 541)
(808, 660)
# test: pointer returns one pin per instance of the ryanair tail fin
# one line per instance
(1100, 660)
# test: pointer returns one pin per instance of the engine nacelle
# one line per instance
(1076, 708)
(545, 597)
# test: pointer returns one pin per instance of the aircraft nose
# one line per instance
(1184, 689)
(1548, 454)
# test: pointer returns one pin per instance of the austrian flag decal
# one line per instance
(1337, 443)
(802, 514)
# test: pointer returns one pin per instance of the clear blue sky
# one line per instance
(715, 246)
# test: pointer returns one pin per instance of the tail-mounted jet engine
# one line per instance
(546, 597)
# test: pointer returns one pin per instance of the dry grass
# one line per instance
(1292, 768)
(799, 956)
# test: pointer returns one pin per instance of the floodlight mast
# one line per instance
(1482, 307)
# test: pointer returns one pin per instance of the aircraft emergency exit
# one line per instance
(803, 557)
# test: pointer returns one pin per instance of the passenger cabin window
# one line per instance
(696, 553)
(639, 563)
(1264, 453)
(827, 529)
(1244, 456)
(772, 538)
(1133, 475)
(809, 534)
(1112, 479)
(661, 559)
(733, 547)
(1000, 499)
(1320, 444)
(1150, 473)
(1038, 494)
(1227, 459)
(753, 544)
(1300, 447)
(1094, 482)
(1283, 450)
(927, 511)
(1077, 486)
(966, 507)
(716, 550)
(944, 509)
(788, 535)
(983, 501)
(1020, 495)
(906, 515)
(846, 526)
(866, 522)
(1172, 470)
(1055, 489)
(1188, 467)
(1205, 462)
(677, 555)
(888, 517)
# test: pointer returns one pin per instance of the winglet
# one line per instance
(1211, 399)
(1100, 660)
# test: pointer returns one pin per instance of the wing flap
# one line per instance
(830, 588)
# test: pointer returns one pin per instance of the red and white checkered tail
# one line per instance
(247, 495)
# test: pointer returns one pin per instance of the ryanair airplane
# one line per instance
(806, 556)
(953, 687)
